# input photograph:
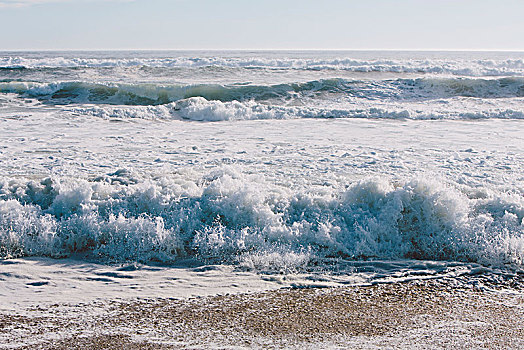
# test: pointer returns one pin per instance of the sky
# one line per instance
(262, 24)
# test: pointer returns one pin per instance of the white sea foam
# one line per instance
(230, 217)
(421, 99)
(200, 109)
(465, 67)
(416, 176)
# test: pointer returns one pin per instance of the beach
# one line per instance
(411, 315)
(261, 199)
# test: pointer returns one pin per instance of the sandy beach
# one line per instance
(419, 314)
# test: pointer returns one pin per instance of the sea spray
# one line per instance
(230, 217)
(447, 64)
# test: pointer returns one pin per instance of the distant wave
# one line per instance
(155, 94)
(227, 216)
(483, 67)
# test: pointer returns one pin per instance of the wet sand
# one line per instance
(420, 314)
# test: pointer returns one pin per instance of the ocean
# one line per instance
(257, 170)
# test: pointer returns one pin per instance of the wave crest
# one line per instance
(464, 67)
(231, 217)
(156, 94)
(200, 109)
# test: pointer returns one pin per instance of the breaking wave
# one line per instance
(155, 94)
(200, 109)
(230, 217)
(471, 67)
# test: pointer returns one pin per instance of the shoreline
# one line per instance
(416, 314)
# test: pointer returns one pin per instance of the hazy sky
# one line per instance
(262, 24)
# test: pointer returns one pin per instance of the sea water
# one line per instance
(351, 166)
